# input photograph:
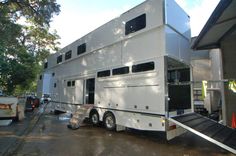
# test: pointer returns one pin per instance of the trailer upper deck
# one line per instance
(143, 18)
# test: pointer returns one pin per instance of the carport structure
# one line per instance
(220, 32)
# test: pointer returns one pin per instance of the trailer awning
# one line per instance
(208, 129)
(220, 25)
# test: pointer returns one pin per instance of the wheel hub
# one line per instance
(95, 118)
(109, 122)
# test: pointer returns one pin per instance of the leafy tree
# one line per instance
(25, 41)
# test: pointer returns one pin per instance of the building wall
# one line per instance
(228, 48)
(206, 65)
(216, 74)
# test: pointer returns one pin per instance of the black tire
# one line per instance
(94, 118)
(16, 118)
(57, 112)
(110, 121)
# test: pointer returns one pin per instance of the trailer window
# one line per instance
(81, 49)
(179, 75)
(90, 88)
(45, 65)
(68, 55)
(184, 75)
(68, 83)
(143, 67)
(104, 73)
(135, 24)
(171, 76)
(120, 71)
(72, 83)
(59, 59)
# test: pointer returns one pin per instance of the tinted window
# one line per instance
(40, 77)
(59, 59)
(73, 83)
(68, 55)
(55, 85)
(180, 75)
(103, 73)
(135, 24)
(81, 49)
(143, 67)
(45, 65)
(90, 87)
(120, 71)
(68, 83)
(171, 76)
(184, 75)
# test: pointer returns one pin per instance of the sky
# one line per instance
(79, 17)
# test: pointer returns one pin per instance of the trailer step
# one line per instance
(78, 117)
(208, 129)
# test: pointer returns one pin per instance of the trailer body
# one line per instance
(134, 67)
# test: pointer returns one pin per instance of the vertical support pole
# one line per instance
(166, 87)
(222, 86)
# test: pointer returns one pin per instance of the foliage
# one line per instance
(25, 41)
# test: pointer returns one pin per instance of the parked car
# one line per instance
(32, 102)
(45, 99)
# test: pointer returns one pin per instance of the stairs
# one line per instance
(79, 116)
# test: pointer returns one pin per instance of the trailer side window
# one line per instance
(171, 76)
(184, 75)
(104, 73)
(180, 75)
(73, 83)
(81, 49)
(135, 24)
(59, 59)
(143, 67)
(68, 83)
(68, 55)
(45, 65)
(120, 71)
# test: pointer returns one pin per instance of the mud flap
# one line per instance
(172, 133)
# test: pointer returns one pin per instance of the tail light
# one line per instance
(172, 127)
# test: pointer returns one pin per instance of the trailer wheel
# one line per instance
(94, 118)
(110, 121)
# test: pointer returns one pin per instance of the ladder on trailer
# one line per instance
(208, 129)
(79, 116)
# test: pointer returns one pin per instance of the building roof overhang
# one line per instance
(220, 25)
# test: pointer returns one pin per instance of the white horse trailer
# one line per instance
(134, 70)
